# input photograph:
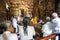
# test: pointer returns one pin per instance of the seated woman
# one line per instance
(26, 32)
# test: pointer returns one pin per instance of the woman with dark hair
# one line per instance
(26, 32)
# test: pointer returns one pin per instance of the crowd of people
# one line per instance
(27, 32)
(52, 27)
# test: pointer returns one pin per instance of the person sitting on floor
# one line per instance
(26, 32)
(7, 35)
(47, 28)
(56, 22)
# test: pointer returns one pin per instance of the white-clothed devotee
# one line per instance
(56, 23)
(7, 35)
(1, 38)
(3, 27)
(15, 23)
(20, 19)
(47, 28)
(26, 32)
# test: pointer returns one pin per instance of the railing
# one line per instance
(48, 37)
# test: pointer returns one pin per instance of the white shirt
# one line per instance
(14, 23)
(56, 23)
(1, 38)
(9, 36)
(30, 31)
(46, 29)
(18, 18)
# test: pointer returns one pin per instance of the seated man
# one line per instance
(56, 23)
(7, 35)
(47, 28)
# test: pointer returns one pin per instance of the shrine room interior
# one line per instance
(30, 8)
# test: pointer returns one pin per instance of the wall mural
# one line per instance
(42, 7)
(45, 8)
(17, 5)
